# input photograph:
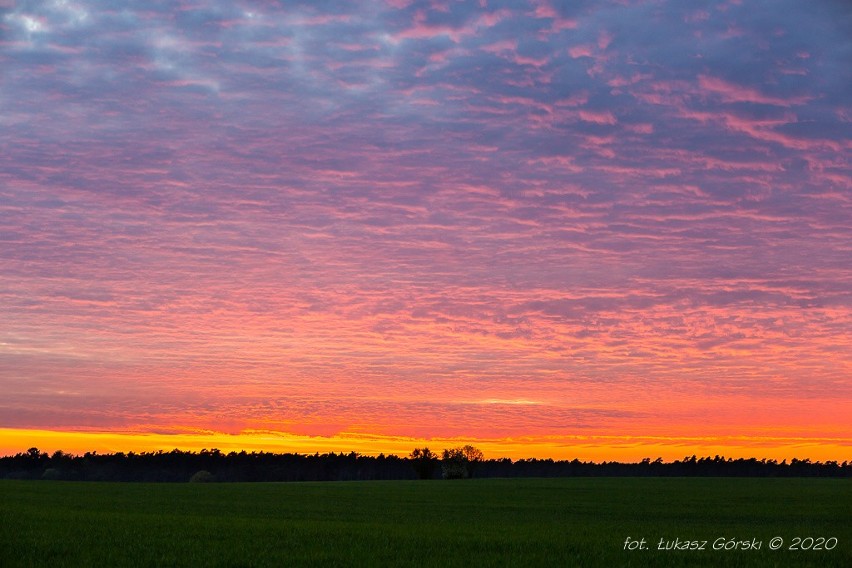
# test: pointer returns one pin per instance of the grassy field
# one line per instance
(470, 523)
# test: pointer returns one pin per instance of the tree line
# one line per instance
(421, 463)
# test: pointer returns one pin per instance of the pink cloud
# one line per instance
(491, 19)
(580, 51)
(500, 46)
(577, 99)
(640, 128)
(532, 61)
(765, 130)
(421, 30)
(730, 92)
(543, 9)
(598, 117)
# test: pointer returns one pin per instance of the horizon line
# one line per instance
(593, 448)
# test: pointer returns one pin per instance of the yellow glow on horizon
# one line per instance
(584, 448)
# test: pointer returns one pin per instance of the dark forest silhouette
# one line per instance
(214, 465)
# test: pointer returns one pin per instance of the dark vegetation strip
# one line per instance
(214, 465)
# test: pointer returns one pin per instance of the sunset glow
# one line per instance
(549, 229)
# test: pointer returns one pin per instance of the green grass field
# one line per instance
(478, 522)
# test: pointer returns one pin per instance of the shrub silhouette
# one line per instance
(202, 476)
(51, 473)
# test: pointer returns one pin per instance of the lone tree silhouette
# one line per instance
(460, 463)
(423, 461)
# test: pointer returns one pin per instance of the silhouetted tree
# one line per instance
(460, 463)
(423, 461)
(453, 464)
(474, 458)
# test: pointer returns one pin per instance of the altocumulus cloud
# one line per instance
(635, 213)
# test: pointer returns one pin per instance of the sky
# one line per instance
(606, 230)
